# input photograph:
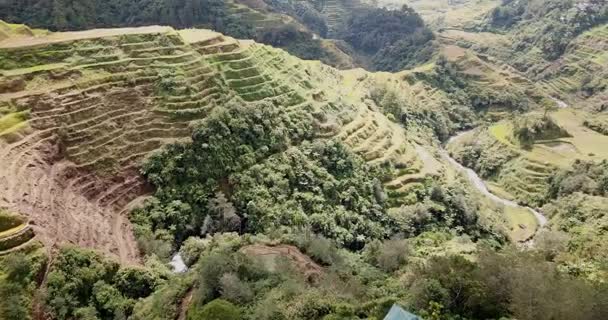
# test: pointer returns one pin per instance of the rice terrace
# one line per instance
(303, 159)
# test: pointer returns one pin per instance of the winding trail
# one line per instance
(478, 183)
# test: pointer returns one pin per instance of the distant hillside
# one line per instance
(559, 44)
(546, 25)
(303, 28)
(439, 14)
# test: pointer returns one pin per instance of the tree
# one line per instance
(393, 255)
(13, 303)
(234, 289)
(217, 309)
(221, 216)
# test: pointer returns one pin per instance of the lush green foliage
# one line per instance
(216, 310)
(531, 127)
(579, 221)
(296, 42)
(509, 283)
(586, 177)
(307, 12)
(83, 284)
(72, 14)
(444, 206)
(321, 186)
(394, 39)
(9, 220)
(402, 45)
(468, 100)
(19, 277)
(256, 169)
(520, 285)
(188, 176)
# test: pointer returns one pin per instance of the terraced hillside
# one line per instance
(16, 233)
(441, 14)
(80, 110)
(337, 12)
(580, 75)
(258, 17)
(522, 173)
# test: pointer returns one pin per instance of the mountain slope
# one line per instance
(308, 29)
(82, 109)
(294, 190)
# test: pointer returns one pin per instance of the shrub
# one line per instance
(532, 127)
(81, 279)
(322, 250)
(192, 249)
(217, 309)
(234, 289)
(393, 255)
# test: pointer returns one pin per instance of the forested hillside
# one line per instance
(559, 44)
(298, 26)
(547, 26)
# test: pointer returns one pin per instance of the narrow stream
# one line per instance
(177, 263)
(478, 183)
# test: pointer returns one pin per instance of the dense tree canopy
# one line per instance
(77, 15)
(395, 39)
(84, 285)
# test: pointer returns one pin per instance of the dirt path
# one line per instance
(185, 305)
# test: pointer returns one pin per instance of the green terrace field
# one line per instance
(164, 173)
(441, 14)
(580, 76)
(16, 234)
(102, 100)
(524, 173)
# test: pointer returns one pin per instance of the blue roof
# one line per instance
(397, 313)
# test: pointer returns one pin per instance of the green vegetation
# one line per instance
(19, 278)
(578, 234)
(584, 176)
(293, 190)
(406, 43)
(12, 121)
(307, 12)
(216, 310)
(9, 221)
(235, 283)
(299, 43)
(321, 186)
(533, 127)
(83, 284)
(248, 169)
(78, 15)
(15, 233)
(393, 39)
(548, 25)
